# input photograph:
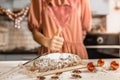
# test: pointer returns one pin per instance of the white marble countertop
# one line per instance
(86, 75)
(7, 65)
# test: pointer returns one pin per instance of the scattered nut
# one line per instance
(54, 77)
(41, 77)
(76, 71)
(75, 75)
(58, 73)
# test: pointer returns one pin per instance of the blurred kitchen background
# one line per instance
(102, 42)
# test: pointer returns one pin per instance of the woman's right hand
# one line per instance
(56, 42)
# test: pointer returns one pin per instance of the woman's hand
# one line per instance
(56, 42)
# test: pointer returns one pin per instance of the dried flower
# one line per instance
(91, 66)
(100, 62)
(114, 65)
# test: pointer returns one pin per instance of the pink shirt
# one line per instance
(73, 16)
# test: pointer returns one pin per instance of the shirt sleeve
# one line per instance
(34, 15)
(86, 16)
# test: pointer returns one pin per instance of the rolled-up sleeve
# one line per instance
(86, 16)
(34, 15)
